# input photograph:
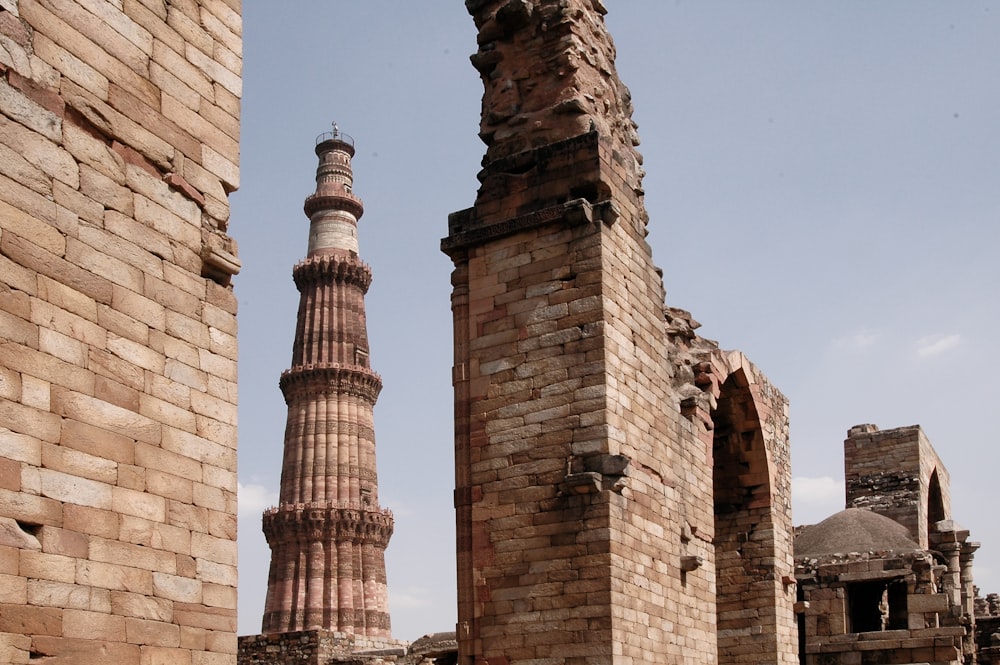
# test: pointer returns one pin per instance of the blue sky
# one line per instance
(823, 184)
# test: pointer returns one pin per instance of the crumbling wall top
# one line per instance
(548, 74)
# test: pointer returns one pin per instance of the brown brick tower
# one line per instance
(328, 534)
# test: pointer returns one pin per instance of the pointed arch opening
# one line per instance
(744, 528)
(935, 503)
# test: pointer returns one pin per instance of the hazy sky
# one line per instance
(823, 184)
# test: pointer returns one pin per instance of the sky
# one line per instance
(823, 185)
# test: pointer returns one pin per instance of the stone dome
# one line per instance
(853, 530)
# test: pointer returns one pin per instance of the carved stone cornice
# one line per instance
(310, 522)
(330, 379)
(332, 269)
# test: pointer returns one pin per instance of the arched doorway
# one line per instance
(745, 556)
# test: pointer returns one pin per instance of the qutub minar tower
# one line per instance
(328, 534)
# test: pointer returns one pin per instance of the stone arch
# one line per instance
(935, 502)
(747, 430)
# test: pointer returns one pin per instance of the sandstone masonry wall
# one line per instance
(588, 472)
(119, 145)
(897, 473)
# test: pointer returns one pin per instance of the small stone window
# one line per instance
(875, 606)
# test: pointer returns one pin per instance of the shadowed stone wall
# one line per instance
(119, 145)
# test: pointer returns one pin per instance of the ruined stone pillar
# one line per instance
(328, 534)
(572, 471)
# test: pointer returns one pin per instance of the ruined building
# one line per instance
(326, 591)
(888, 579)
(119, 146)
(622, 485)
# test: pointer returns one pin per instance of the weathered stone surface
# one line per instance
(609, 496)
(101, 238)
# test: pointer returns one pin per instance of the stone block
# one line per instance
(91, 521)
(138, 504)
(29, 508)
(64, 651)
(154, 457)
(30, 620)
(47, 593)
(57, 268)
(20, 108)
(201, 616)
(27, 225)
(114, 577)
(140, 606)
(15, 648)
(176, 588)
(13, 590)
(98, 413)
(152, 633)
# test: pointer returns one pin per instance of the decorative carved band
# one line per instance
(330, 379)
(310, 522)
(332, 268)
(339, 201)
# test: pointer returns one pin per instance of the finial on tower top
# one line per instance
(336, 135)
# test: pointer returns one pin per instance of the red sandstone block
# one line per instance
(136, 556)
(201, 616)
(70, 404)
(165, 412)
(97, 442)
(141, 606)
(115, 393)
(192, 518)
(67, 596)
(63, 542)
(62, 651)
(169, 486)
(123, 325)
(152, 114)
(26, 420)
(13, 590)
(29, 620)
(152, 633)
(154, 655)
(198, 126)
(28, 225)
(222, 525)
(21, 331)
(37, 258)
(217, 365)
(170, 58)
(221, 596)
(85, 520)
(194, 638)
(139, 504)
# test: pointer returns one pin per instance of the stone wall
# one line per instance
(589, 477)
(898, 474)
(119, 145)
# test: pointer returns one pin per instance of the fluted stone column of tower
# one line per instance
(328, 534)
